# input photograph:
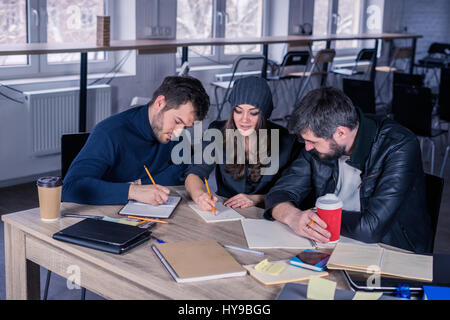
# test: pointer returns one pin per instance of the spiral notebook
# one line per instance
(135, 208)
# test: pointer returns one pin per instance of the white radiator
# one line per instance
(55, 112)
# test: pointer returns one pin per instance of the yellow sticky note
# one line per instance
(361, 295)
(270, 268)
(320, 289)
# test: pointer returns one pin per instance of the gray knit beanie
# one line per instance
(253, 91)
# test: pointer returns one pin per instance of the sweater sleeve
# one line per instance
(83, 182)
(203, 169)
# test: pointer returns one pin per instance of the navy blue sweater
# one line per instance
(114, 155)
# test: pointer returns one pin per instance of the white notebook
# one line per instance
(265, 234)
(135, 208)
(223, 213)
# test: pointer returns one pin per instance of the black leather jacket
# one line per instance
(392, 190)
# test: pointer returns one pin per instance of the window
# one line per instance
(220, 18)
(346, 17)
(51, 21)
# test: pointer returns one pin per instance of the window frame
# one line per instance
(38, 66)
(333, 16)
(218, 30)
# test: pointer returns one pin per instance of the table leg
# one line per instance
(184, 55)
(266, 60)
(325, 67)
(413, 55)
(22, 275)
(83, 93)
(373, 71)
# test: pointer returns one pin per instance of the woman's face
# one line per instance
(246, 118)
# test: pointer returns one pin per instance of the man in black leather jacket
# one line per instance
(372, 163)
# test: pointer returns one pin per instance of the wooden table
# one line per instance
(137, 274)
(170, 46)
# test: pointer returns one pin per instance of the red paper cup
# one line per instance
(329, 209)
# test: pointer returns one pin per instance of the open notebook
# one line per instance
(223, 213)
(362, 258)
(135, 208)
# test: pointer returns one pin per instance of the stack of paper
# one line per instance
(135, 208)
(222, 214)
(265, 234)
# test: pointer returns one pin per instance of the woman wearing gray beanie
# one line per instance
(244, 182)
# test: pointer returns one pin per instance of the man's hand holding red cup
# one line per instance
(305, 223)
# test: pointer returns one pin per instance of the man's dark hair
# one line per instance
(322, 111)
(181, 90)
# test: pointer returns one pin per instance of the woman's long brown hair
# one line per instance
(238, 170)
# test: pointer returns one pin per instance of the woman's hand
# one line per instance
(242, 200)
(204, 201)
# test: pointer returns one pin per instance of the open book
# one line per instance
(190, 261)
(135, 208)
(362, 258)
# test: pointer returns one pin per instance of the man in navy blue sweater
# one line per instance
(118, 148)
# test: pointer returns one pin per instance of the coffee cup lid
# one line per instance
(329, 202)
(49, 182)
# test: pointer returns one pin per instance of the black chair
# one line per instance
(243, 66)
(71, 145)
(412, 107)
(367, 55)
(444, 95)
(438, 56)
(444, 108)
(361, 92)
(434, 186)
(401, 78)
(292, 61)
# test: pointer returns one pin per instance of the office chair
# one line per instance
(363, 55)
(438, 56)
(434, 186)
(401, 78)
(412, 107)
(71, 145)
(324, 56)
(361, 92)
(291, 60)
(243, 66)
(401, 54)
(444, 108)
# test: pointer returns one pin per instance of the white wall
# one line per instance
(16, 164)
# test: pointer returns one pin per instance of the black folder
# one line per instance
(103, 235)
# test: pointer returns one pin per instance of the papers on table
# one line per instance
(289, 273)
(265, 234)
(135, 208)
(223, 213)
